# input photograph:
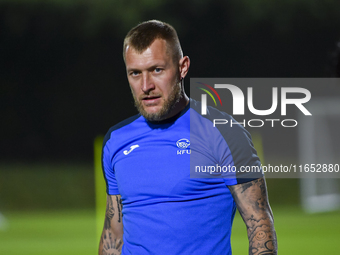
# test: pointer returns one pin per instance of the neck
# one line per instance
(182, 103)
(180, 106)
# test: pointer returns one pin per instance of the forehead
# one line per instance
(156, 52)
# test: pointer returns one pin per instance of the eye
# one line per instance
(134, 73)
(158, 70)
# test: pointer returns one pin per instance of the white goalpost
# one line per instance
(319, 143)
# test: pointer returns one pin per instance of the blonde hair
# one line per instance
(144, 34)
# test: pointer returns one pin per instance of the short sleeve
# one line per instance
(108, 171)
(244, 156)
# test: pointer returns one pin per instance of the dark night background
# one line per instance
(63, 84)
(63, 78)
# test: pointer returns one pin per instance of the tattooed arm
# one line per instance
(252, 202)
(111, 241)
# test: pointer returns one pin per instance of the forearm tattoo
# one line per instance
(252, 203)
(110, 244)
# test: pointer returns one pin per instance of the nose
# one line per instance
(147, 83)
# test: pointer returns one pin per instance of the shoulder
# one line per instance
(229, 128)
(226, 137)
(119, 126)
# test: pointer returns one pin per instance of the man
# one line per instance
(153, 206)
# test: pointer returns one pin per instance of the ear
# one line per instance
(184, 64)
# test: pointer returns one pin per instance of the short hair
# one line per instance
(144, 34)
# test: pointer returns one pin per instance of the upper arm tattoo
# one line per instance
(110, 212)
(252, 202)
(119, 206)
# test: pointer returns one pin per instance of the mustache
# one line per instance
(149, 96)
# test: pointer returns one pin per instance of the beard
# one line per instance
(168, 104)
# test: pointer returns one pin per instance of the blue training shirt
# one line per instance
(164, 210)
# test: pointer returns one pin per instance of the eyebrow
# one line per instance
(153, 67)
(132, 70)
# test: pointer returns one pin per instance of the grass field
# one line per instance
(51, 211)
(49, 233)
(298, 233)
(73, 232)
